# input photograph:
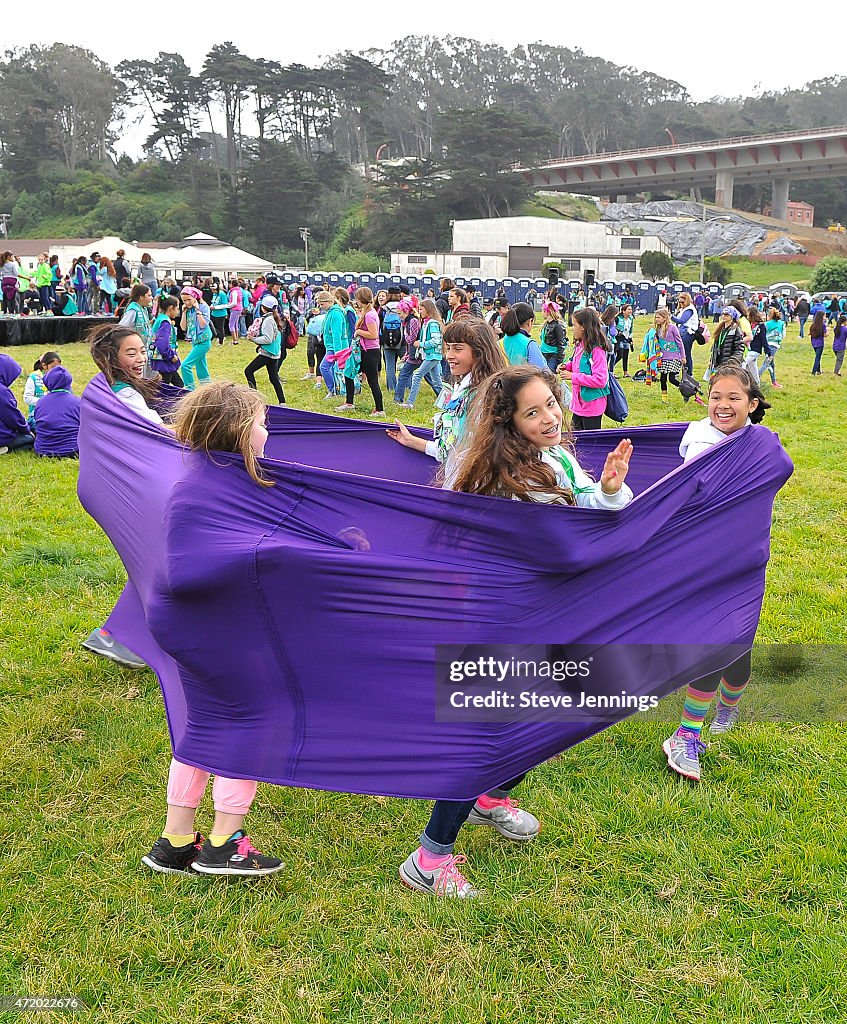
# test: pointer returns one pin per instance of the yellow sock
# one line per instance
(219, 840)
(176, 840)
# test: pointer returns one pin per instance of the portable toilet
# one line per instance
(319, 279)
(645, 297)
(714, 290)
(428, 282)
(510, 286)
(349, 279)
(396, 279)
(379, 281)
(737, 290)
(695, 287)
(412, 283)
(288, 278)
(366, 280)
(609, 287)
(784, 289)
(335, 280)
(677, 288)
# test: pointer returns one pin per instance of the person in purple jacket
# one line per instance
(57, 417)
(162, 350)
(14, 432)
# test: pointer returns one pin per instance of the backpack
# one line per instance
(292, 335)
(391, 333)
(617, 407)
(255, 329)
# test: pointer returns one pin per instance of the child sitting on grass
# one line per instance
(15, 434)
(57, 417)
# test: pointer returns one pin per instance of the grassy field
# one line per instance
(645, 899)
(756, 273)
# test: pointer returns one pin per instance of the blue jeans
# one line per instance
(448, 816)
(552, 361)
(390, 368)
(431, 369)
(404, 380)
(768, 364)
(195, 358)
(802, 320)
(816, 367)
(327, 371)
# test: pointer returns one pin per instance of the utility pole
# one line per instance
(4, 224)
(306, 234)
(703, 248)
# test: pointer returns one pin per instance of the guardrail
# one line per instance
(690, 147)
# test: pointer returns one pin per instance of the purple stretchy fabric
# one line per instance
(293, 628)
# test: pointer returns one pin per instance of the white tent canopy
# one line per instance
(206, 255)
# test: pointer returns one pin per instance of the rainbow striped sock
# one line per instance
(730, 695)
(695, 708)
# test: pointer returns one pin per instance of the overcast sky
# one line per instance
(727, 48)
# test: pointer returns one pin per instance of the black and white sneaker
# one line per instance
(172, 860)
(237, 856)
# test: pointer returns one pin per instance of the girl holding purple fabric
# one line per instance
(515, 449)
(219, 417)
(735, 401)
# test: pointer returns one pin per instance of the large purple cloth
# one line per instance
(293, 628)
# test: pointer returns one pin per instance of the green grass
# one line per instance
(644, 899)
(756, 273)
(560, 204)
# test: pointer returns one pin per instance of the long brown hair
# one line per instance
(479, 336)
(105, 344)
(219, 418)
(365, 302)
(430, 311)
(594, 336)
(498, 460)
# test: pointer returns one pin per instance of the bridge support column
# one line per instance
(723, 189)
(622, 197)
(779, 199)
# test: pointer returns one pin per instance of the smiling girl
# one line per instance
(473, 354)
(121, 356)
(735, 401)
(514, 449)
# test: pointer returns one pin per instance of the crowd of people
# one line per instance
(500, 429)
(392, 343)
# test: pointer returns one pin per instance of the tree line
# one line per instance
(459, 113)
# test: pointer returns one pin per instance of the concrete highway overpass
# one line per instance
(778, 159)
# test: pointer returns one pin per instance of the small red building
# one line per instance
(798, 213)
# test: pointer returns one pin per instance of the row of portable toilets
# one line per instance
(646, 293)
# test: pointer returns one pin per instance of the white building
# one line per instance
(518, 247)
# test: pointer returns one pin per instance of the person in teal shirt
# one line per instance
(268, 346)
(336, 336)
(517, 341)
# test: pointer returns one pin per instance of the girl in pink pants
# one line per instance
(236, 414)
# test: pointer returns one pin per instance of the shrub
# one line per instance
(830, 275)
(656, 265)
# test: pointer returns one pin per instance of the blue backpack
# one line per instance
(617, 407)
(391, 332)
